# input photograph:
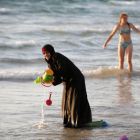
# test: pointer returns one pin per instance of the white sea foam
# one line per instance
(18, 44)
(137, 26)
(5, 10)
(104, 72)
(78, 30)
(19, 75)
(124, 3)
(99, 72)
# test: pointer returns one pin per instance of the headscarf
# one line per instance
(50, 49)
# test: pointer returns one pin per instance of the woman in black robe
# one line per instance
(75, 107)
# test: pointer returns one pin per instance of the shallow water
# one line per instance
(112, 99)
(78, 30)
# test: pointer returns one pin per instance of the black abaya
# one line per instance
(75, 108)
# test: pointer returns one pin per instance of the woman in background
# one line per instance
(125, 44)
(75, 107)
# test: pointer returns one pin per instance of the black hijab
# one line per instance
(50, 49)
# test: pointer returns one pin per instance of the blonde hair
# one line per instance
(123, 15)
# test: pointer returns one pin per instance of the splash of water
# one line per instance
(105, 72)
(41, 123)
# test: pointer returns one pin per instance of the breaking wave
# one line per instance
(5, 10)
(19, 75)
(78, 30)
(126, 3)
(107, 72)
(94, 73)
(17, 44)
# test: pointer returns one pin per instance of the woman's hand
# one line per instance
(111, 35)
(104, 46)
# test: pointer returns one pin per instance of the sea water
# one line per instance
(77, 29)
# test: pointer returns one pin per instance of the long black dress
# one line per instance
(75, 108)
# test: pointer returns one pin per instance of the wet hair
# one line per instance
(122, 15)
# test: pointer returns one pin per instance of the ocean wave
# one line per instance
(5, 10)
(17, 44)
(105, 72)
(21, 61)
(78, 31)
(95, 73)
(19, 75)
(126, 3)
